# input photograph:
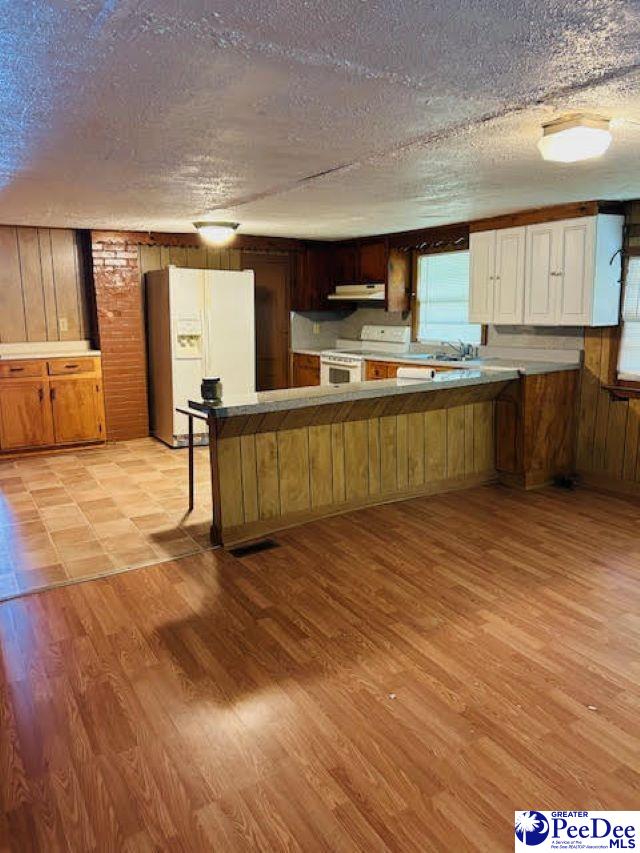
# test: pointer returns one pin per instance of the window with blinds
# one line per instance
(443, 299)
(629, 354)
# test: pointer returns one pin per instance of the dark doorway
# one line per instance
(272, 318)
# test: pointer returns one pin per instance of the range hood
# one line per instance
(358, 292)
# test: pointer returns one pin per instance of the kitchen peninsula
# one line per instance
(281, 458)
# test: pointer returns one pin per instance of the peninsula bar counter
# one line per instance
(282, 458)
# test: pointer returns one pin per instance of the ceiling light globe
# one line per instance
(216, 233)
(576, 139)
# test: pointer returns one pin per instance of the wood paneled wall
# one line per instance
(608, 427)
(43, 292)
(271, 479)
(159, 257)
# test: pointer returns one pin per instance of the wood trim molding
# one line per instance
(356, 410)
(546, 214)
(604, 482)
(193, 240)
(413, 297)
(454, 235)
(626, 390)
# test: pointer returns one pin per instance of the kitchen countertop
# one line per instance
(31, 356)
(310, 351)
(527, 366)
(317, 395)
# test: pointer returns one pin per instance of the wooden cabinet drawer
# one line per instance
(377, 370)
(21, 369)
(65, 366)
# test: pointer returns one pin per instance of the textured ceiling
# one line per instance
(313, 119)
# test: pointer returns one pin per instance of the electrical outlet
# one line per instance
(63, 324)
(316, 328)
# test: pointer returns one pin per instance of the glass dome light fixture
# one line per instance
(216, 233)
(570, 139)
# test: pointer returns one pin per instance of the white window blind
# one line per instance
(629, 356)
(443, 299)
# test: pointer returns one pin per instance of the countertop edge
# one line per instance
(92, 353)
(371, 389)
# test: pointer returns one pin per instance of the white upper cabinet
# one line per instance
(508, 302)
(562, 273)
(540, 300)
(574, 270)
(482, 252)
(497, 276)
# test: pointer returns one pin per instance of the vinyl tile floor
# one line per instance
(72, 516)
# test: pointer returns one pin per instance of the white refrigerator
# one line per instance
(200, 323)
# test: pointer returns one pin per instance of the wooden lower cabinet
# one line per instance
(62, 404)
(75, 404)
(389, 369)
(305, 370)
(25, 414)
(535, 428)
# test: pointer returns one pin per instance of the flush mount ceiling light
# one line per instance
(216, 233)
(568, 140)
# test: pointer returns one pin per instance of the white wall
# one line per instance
(536, 337)
(338, 324)
(348, 324)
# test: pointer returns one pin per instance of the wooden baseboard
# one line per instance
(52, 448)
(532, 480)
(608, 484)
(254, 530)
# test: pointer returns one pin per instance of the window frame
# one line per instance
(415, 304)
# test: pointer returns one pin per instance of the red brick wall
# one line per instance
(121, 331)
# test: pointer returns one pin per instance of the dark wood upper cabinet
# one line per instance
(320, 267)
(312, 279)
(373, 262)
(345, 263)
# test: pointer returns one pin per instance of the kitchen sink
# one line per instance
(421, 356)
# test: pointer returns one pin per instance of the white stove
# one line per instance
(345, 363)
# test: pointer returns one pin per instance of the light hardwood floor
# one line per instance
(401, 678)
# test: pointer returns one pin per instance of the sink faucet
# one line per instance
(463, 350)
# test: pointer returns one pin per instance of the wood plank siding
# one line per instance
(608, 426)
(43, 293)
(269, 480)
